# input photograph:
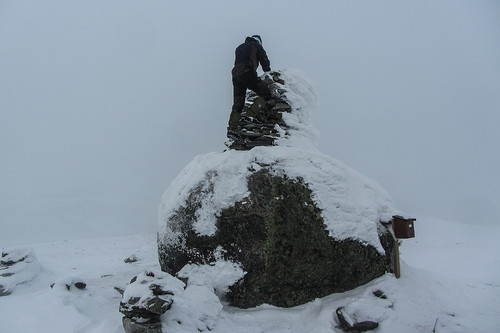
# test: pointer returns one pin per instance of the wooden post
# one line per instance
(397, 265)
(401, 228)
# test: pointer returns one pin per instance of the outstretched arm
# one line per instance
(263, 59)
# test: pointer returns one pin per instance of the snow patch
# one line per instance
(219, 275)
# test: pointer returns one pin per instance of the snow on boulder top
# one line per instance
(352, 205)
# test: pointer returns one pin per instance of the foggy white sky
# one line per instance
(111, 99)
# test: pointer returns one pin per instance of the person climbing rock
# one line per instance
(248, 56)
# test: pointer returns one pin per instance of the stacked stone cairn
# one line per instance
(261, 121)
(146, 298)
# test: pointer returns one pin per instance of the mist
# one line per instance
(103, 104)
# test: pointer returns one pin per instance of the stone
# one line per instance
(80, 285)
(120, 290)
(131, 326)
(278, 236)
(349, 325)
(13, 257)
(4, 291)
(133, 258)
(379, 294)
(148, 296)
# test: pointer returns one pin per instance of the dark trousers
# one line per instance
(245, 78)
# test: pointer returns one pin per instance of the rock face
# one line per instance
(300, 224)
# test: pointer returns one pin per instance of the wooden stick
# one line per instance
(397, 265)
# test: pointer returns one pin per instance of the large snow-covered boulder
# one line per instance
(300, 224)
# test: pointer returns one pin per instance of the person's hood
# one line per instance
(252, 40)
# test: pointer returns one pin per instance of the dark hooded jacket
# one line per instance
(251, 53)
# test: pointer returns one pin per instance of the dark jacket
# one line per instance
(251, 53)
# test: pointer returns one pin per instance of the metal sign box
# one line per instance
(403, 228)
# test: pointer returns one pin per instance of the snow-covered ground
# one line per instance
(450, 282)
